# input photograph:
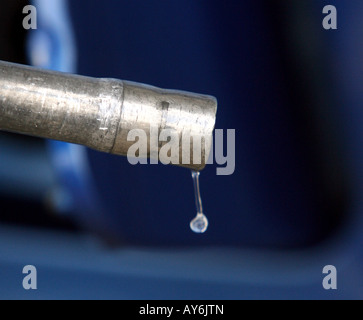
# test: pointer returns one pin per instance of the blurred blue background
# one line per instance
(97, 227)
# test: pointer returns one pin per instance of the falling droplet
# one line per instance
(200, 223)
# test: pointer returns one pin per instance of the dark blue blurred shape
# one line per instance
(233, 51)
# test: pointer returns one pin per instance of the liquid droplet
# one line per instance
(200, 223)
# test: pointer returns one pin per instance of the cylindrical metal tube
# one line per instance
(100, 113)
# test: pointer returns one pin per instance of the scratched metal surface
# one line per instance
(100, 113)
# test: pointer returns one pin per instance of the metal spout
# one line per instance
(100, 113)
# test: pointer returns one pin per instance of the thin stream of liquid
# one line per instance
(200, 223)
(198, 198)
